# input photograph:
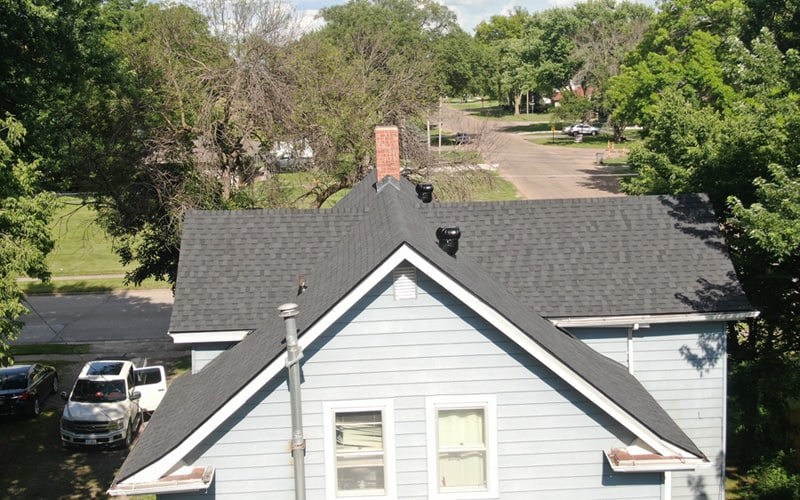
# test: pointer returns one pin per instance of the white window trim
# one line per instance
(489, 403)
(329, 410)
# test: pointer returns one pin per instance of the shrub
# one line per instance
(772, 480)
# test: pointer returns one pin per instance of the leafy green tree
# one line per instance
(530, 53)
(461, 62)
(499, 38)
(720, 115)
(197, 106)
(373, 63)
(25, 238)
(607, 32)
(55, 71)
(781, 17)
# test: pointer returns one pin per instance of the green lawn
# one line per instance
(494, 110)
(81, 245)
(83, 249)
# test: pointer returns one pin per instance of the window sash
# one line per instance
(461, 448)
(359, 451)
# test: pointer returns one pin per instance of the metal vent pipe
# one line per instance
(293, 357)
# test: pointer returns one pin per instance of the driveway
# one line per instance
(537, 171)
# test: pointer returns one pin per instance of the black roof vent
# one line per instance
(425, 192)
(448, 239)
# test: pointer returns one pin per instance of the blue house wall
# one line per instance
(549, 438)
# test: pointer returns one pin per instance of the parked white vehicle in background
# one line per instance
(583, 129)
(107, 403)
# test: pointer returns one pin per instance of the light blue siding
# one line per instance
(550, 438)
(202, 354)
(684, 367)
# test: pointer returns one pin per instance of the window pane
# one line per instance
(359, 431)
(462, 469)
(359, 451)
(359, 478)
(463, 427)
(462, 448)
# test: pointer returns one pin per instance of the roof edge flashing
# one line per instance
(387, 181)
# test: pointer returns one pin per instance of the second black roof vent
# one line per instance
(425, 192)
(448, 239)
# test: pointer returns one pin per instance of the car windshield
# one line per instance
(13, 381)
(93, 391)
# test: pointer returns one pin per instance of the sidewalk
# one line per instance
(75, 278)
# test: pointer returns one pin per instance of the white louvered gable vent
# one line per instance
(405, 283)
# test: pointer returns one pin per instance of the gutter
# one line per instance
(184, 480)
(646, 319)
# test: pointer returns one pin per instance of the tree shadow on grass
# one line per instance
(34, 464)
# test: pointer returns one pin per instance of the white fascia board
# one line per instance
(631, 321)
(208, 337)
(665, 464)
(167, 485)
(405, 253)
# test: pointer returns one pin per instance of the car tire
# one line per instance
(128, 438)
(37, 409)
(54, 385)
(594, 132)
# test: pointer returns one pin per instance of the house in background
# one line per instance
(513, 350)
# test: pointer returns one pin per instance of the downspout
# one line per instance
(293, 357)
(631, 329)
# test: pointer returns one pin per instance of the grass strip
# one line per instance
(49, 349)
(87, 286)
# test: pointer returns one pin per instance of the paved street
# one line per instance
(93, 317)
(538, 172)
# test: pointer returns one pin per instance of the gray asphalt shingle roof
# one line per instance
(614, 256)
(564, 258)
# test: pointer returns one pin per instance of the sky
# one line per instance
(470, 12)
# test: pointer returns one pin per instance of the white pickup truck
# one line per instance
(107, 404)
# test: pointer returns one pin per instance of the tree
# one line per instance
(206, 94)
(531, 53)
(461, 63)
(373, 63)
(59, 78)
(497, 37)
(24, 233)
(720, 115)
(608, 32)
(781, 17)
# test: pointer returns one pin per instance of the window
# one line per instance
(359, 440)
(462, 449)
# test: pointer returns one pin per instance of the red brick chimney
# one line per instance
(387, 152)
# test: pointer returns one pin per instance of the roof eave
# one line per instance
(642, 321)
(185, 480)
(653, 463)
